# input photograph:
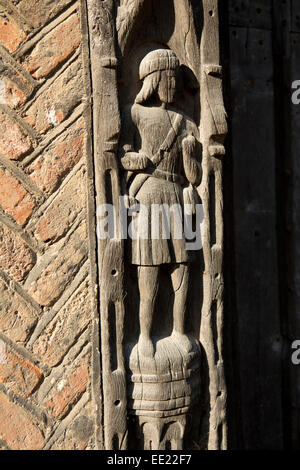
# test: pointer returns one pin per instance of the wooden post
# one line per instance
(151, 365)
(106, 128)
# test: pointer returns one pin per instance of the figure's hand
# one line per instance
(134, 161)
(189, 146)
(192, 168)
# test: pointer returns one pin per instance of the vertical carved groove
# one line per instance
(112, 321)
(116, 442)
(108, 187)
(212, 208)
(214, 327)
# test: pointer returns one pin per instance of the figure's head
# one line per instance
(158, 70)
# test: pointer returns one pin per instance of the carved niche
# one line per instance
(158, 125)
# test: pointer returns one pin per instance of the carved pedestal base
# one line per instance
(163, 389)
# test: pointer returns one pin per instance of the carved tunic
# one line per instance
(145, 130)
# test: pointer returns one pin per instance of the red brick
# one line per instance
(19, 374)
(17, 318)
(14, 199)
(54, 48)
(14, 142)
(39, 12)
(57, 338)
(15, 86)
(10, 93)
(17, 428)
(56, 161)
(60, 215)
(56, 103)
(69, 389)
(79, 434)
(16, 258)
(58, 274)
(11, 35)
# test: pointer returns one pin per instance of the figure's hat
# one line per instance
(160, 59)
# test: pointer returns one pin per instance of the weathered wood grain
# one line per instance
(122, 37)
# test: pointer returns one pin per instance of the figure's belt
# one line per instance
(165, 175)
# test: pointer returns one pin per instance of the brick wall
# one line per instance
(45, 298)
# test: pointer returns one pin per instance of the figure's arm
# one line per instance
(130, 159)
(192, 167)
(133, 161)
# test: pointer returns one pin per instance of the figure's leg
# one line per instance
(148, 288)
(180, 282)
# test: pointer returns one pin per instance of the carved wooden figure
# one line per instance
(159, 126)
(159, 152)
(165, 161)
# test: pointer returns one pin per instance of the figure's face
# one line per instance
(167, 86)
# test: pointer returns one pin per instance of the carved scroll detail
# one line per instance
(128, 12)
